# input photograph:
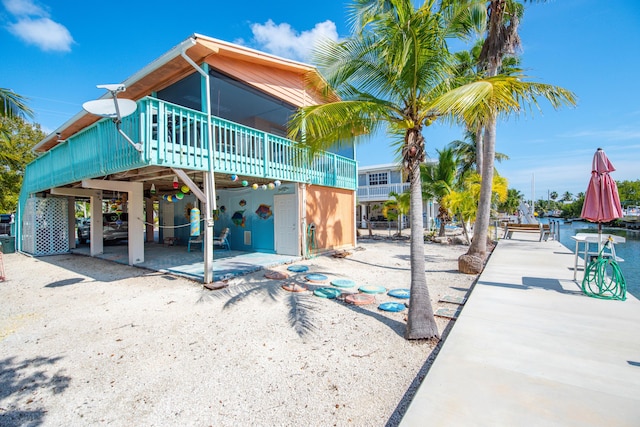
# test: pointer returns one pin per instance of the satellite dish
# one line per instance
(118, 87)
(114, 109)
(111, 108)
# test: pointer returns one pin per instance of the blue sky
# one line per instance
(56, 52)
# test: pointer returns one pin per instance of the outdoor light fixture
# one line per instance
(114, 109)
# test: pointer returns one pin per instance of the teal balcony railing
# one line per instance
(174, 136)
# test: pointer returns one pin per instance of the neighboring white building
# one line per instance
(374, 185)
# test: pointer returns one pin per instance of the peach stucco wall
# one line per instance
(332, 211)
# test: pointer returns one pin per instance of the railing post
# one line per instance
(265, 152)
(335, 170)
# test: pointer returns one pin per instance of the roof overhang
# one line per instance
(171, 67)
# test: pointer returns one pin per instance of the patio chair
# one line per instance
(222, 240)
(194, 239)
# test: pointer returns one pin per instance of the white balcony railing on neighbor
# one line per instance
(380, 192)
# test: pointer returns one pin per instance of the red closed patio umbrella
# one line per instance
(603, 278)
(601, 201)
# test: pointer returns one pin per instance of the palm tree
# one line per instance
(512, 202)
(13, 105)
(468, 69)
(567, 196)
(438, 181)
(396, 208)
(494, 96)
(467, 153)
(386, 75)
(464, 202)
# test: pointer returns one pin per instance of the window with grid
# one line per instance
(381, 178)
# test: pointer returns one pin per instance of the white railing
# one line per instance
(380, 192)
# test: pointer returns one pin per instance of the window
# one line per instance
(381, 178)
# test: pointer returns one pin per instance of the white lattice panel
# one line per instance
(45, 226)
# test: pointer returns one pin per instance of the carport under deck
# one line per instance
(176, 260)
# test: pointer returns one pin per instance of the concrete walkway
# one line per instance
(529, 349)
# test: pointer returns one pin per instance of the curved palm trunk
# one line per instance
(479, 244)
(421, 323)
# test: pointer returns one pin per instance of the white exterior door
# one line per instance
(285, 215)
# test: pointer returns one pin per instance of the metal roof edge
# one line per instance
(149, 68)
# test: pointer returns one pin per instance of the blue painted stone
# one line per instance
(399, 293)
(392, 306)
(314, 277)
(298, 268)
(372, 289)
(329, 293)
(343, 283)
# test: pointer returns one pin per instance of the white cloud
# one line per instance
(282, 40)
(44, 33)
(621, 134)
(24, 8)
(34, 26)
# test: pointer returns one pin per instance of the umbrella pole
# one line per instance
(599, 237)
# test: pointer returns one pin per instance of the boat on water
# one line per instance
(631, 216)
(631, 213)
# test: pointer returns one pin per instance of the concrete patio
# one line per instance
(176, 260)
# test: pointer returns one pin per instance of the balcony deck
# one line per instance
(177, 137)
(379, 193)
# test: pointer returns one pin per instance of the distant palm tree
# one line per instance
(567, 196)
(464, 202)
(439, 180)
(394, 209)
(467, 153)
(512, 203)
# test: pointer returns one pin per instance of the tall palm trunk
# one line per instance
(479, 150)
(493, 48)
(421, 323)
(479, 244)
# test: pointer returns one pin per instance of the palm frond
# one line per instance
(13, 105)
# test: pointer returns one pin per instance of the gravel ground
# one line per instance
(89, 342)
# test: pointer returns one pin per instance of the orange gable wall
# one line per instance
(332, 210)
(282, 84)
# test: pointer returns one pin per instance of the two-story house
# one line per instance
(206, 130)
(375, 183)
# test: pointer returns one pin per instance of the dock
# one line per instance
(530, 349)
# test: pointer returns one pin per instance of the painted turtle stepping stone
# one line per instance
(329, 293)
(360, 299)
(276, 275)
(316, 278)
(343, 283)
(298, 268)
(391, 306)
(294, 287)
(372, 289)
(399, 293)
